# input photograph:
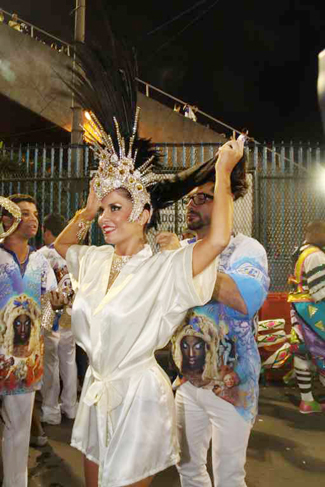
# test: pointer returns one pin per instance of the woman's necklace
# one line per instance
(118, 263)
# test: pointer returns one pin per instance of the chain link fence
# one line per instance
(285, 191)
(290, 193)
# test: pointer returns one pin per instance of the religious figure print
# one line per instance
(20, 327)
(205, 355)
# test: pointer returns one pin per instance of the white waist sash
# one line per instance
(105, 396)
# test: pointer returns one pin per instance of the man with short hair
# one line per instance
(14, 23)
(219, 400)
(25, 278)
(60, 346)
(308, 314)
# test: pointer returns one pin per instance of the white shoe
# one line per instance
(72, 412)
(38, 440)
(69, 416)
(49, 420)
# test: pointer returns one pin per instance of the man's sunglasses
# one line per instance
(198, 199)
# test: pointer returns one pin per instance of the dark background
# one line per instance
(251, 63)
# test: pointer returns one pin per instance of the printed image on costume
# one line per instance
(236, 368)
(19, 331)
(195, 347)
(227, 390)
(20, 339)
(204, 355)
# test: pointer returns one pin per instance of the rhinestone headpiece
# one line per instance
(117, 170)
(14, 210)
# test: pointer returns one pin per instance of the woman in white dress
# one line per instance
(129, 302)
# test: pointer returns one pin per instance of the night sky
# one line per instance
(250, 63)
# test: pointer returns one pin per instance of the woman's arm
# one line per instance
(72, 233)
(220, 230)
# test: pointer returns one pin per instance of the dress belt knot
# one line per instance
(104, 395)
(104, 386)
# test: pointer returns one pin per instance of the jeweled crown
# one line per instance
(117, 170)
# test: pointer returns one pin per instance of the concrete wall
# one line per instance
(30, 75)
(162, 124)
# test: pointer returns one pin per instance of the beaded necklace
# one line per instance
(118, 263)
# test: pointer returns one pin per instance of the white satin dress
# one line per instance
(126, 419)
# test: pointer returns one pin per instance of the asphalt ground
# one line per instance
(286, 448)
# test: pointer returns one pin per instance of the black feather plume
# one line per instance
(104, 82)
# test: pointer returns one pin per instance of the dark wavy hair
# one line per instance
(239, 183)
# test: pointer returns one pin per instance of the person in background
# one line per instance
(60, 346)
(14, 22)
(26, 279)
(221, 402)
(189, 112)
(308, 314)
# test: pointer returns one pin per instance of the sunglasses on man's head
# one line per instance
(198, 199)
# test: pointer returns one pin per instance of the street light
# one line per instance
(77, 113)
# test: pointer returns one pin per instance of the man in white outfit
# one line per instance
(215, 352)
(60, 347)
(25, 278)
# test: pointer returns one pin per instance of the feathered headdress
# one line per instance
(105, 86)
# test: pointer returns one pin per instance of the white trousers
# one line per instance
(17, 416)
(59, 361)
(202, 416)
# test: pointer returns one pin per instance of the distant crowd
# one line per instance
(189, 111)
(16, 24)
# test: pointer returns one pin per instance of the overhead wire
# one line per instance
(234, 130)
(176, 17)
(185, 28)
(192, 22)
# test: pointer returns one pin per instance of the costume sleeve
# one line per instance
(184, 290)
(249, 270)
(75, 258)
(314, 269)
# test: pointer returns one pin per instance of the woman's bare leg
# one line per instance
(142, 483)
(91, 473)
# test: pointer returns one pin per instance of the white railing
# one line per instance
(39, 34)
(67, 48)
(149, 87)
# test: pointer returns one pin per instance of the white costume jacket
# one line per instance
(126, 421)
